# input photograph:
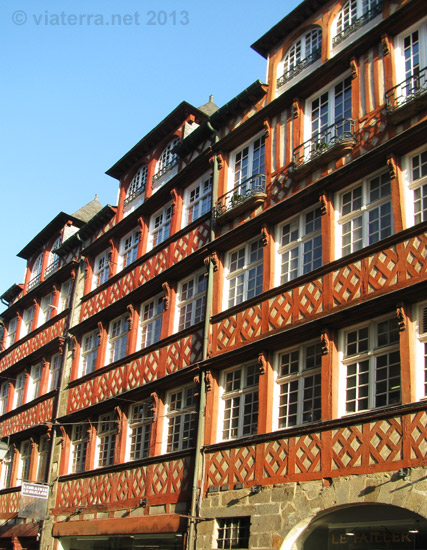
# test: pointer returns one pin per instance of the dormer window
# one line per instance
(54, 260)
(167, 161)
(137, 186)
(36, 272)
(305, 51)
(353, 15)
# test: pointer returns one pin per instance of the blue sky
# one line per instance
(82, 82)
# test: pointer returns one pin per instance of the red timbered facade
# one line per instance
(244, 348)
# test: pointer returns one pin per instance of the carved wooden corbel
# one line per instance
(208, 380)
(264, 235)
(267, 128)
(295, 108)
(385, 42)
(120, 418)
(100, 332)
(262, 363)
(131, 311)
(174, 196)
(322, 200)
(392, 165)
(354, 68)
(63, 436)
(215, 260)
(73, 275)
(220, 161)
(401, 317)
(155, 407)
(167, 296)
(324, 341)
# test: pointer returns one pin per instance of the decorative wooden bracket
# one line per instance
(264, 235)
(324, 341)
(262, 363)
(267, 128)
(323, 203)
(131, 311)
(392, 165)
(401, 317)
(208, 380)
(354, 68)
(155, 408)
(385, 41)
(167, 296)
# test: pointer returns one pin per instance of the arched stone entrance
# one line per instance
(362, 526)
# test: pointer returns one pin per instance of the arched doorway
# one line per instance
(367, 526)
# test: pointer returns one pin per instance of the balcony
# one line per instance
(357, 24)
(331, 143)
(165, 174)
(246, 196)
(131, 196)
(51, 268)
(33, 282)
(407, 98)
(298, 68)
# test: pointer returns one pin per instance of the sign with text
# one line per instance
(33, 502)
(366, 539)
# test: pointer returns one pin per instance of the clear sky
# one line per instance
(83, 82)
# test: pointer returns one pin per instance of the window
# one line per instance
(140, 420)
(27, 321)
(240, 402)
(46, 309)
(53, 260)
(331, 116)
(160, 225)
(54, 372)
(11, 332)
(89, 352)
(192, 301)
(101, 270)
(166, 162)
(248, 163)
(4, 393)
(198, 199)
(107, 430)
(137, 185)
(79, 442)
(353, 15)
(371, 362)
(244, 277)
(298, 383)
(65, 296)
(305, 51)
(421, 371)
(300, 245)
(36, 272)
(25, 461)
(181, 419)
(233, 533)
(418, 178)
(365, 213)
(42, 466)
(117, 338)
(128, 250)
(151, 316)
(34, 382)
(19, 389)
(6, 469)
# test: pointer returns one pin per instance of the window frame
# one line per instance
(106, 440)
(363, 213)
(19, 395)
(128, 249)
(150, 322)
(242, 273)
(160, 225)
(137, 186)
(139, 429)
(79, 447)
(12, 335)
(198, 199)
(118, 332)
(4, 394)
(191, 308)
(35, 378)
(46, 309)
(242, 171)
(232, 389)
(101, 269)
(233, 533)
(416, 184)
(181, 423)
(366, 386)
(24, 469)
(91, 352)
(27, 320)
(42, 459)
(421, 350)
(55, 371)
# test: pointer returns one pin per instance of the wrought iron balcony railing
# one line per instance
(247, 189)
(407, 91)
(33, 282)
(133, 195)
(51, 268)
(298, 68)
(165, 169)
(342, 132)
(357, 24)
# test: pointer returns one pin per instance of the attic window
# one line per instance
(137, 185)
(167, 160)
(305, 51)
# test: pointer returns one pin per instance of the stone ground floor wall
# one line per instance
(281, 513)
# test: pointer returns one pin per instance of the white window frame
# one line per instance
(79, 447)
(128, 249)
(360, 387)
(198, 199)
(34, 381)
(36, 272)
(54, 371)
(101, 269)
(136, 189)
(65, 296)
(243, 273)
(297, 396)
(53, 260)
(420, 310)
(89, 352)
(416, 177)
(180, 419)
(43, 456)
(160, 225)
(106, 440)
(350, 15)
(402, 70)
(18, 398)
(46, 309)
(354, 209)
(7, 468)
(24, 469)
(118, 332)
(296, 60)
(4, 394)
(239, 402)
(27, 321)
(12, 334)
(298, 243)
(139, 423)
(191, 301)
(150, 322)
(247, 161)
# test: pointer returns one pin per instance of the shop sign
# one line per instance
(33, 501)
(364, 540)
